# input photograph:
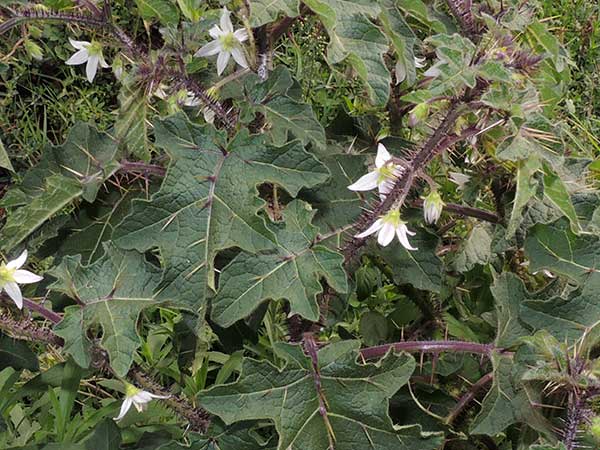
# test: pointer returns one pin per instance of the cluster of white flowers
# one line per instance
(227, 43)
(383, 176)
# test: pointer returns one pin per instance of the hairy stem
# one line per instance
(428, 347)
(462, 210)
(469, 397)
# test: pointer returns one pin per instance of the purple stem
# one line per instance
(428, 347)
(46, 313)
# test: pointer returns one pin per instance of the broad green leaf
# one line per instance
(57, 192)
(356, 398)
(65, 173)
(16, 354)
(566, 318)
(556, 191)
(509, 294)
(292, 272)
(222, 437)
(4, 159)
(477, 249)
(163, 10)
(373, 328)
(421, 268)
(110, 293)
(355, 39)
(208, 202)
(283, 113)
(95, 223)
(556, 248)
(507, 401)
(106, 436)
(336, 205)
(265, 11)
(402, 38)
(526, 188)
(131, 126)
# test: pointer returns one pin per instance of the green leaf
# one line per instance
(208, 203)
(556, 248)
(163, 10)
(526, 188)
(566, 318)
(402, 38)
(106, 436)
(356, 396)
(477, 249)
(355, 39)
(337, 205)
(16, 354)
(507, 402)
(284, 114)
(421, 268)
(222, 437)
(556, 191)
(131, 126)
(291, 272)
(65, 173)
(110, 293)
(265, 11)
(4, 159)
(373, 328)
(57, 192)
(509, 294)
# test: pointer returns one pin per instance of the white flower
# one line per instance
(137, 398)
(459, 179)
(432, 207)
(226, 43)
(420, 62)
(387, 226)
(11, 276)
(90, 53)
(382, 176)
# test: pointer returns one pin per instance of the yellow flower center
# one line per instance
(131, 390)
(386, 172)
(95, 49)
(6, 275)
(393, 218)
(228, 41)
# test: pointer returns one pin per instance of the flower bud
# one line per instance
(432, 207)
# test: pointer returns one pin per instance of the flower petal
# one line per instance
(14, 292)
(386, 235)
(17, 263)
(142, 397)
(103, 62)
(374, 228)
(124, 408)
(365, 183)
(79, 45)
(215, 32)
(239, 57)
(158, 396)
(79, 57)
(92, 67)
(222, 61)
(225, 21)
(26, 277)
(402, 232)
(212, 48)
(241, 35)
(382, 157)
(420, 62)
